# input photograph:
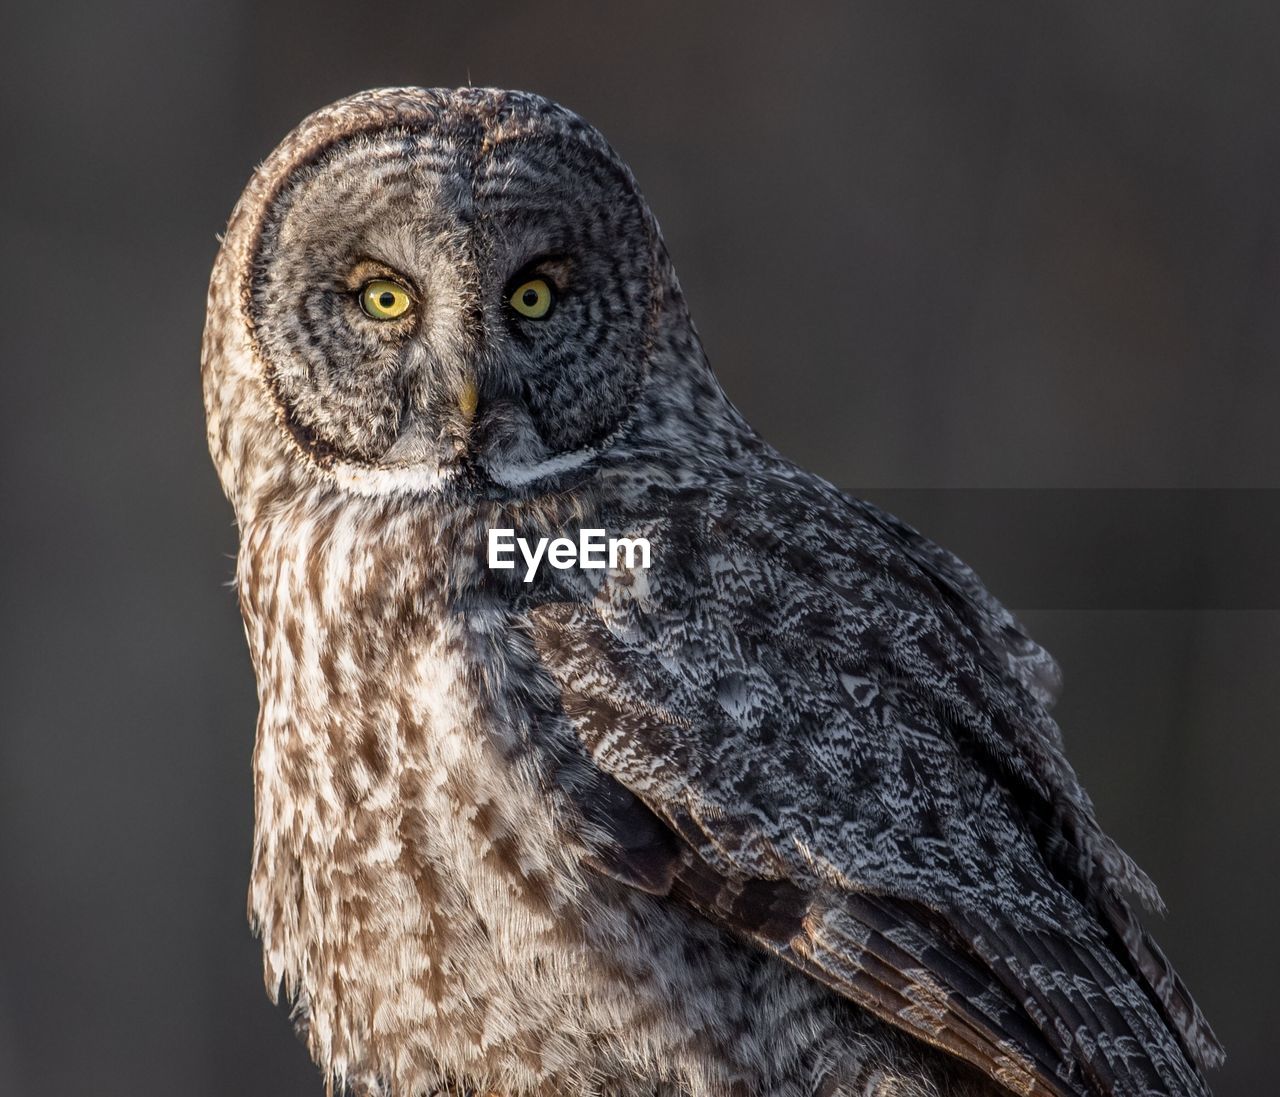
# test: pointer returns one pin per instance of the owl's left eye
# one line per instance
(533, 298)
(385, 300)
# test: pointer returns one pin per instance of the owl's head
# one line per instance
(424, 288)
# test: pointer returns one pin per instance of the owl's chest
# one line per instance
(404, 838)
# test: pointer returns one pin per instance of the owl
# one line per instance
(777, 810)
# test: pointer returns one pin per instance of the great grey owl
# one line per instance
(783, 814)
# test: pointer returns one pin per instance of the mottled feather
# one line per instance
(784, 815)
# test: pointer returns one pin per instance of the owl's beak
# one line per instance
(468, 401)
(442, 442)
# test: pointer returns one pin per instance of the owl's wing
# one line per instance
(818, 747)
(1000, 633)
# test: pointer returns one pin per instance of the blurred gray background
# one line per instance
(937, 252)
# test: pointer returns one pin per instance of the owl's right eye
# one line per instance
(383, 299)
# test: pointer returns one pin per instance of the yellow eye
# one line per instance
(384, 300)
(533, 299)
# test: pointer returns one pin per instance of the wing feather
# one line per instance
(860, 774)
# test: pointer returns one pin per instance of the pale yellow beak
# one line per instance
(468, 401)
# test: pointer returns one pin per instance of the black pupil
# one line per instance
(531, 297)
(386, 298)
